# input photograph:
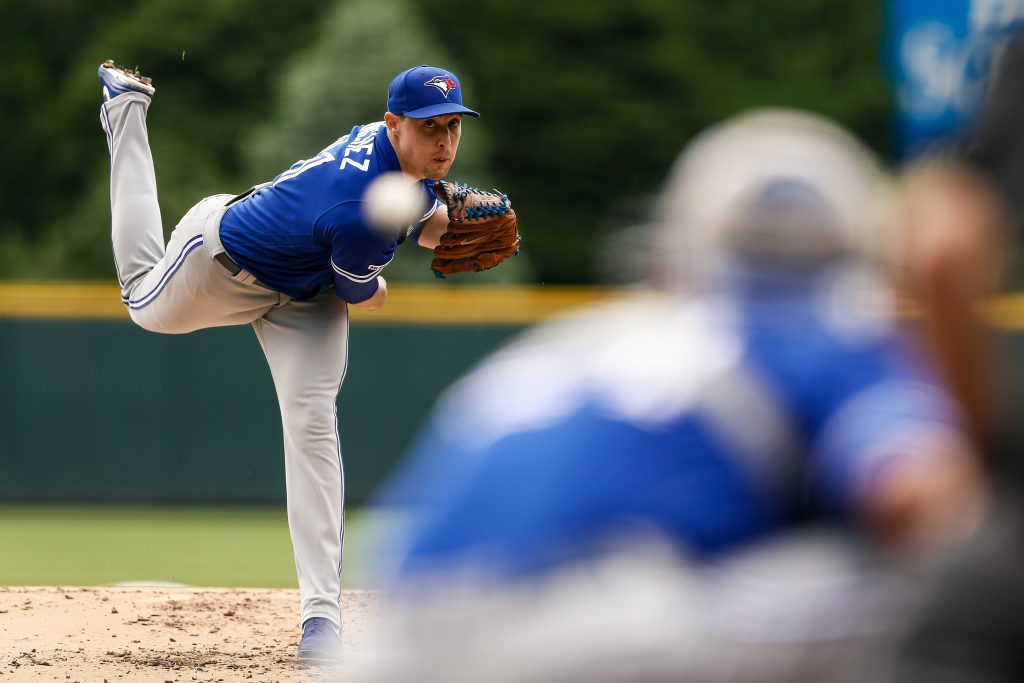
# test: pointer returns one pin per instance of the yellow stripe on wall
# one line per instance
(426, 304)
(417, 304)
(63, 300)
(407, 303)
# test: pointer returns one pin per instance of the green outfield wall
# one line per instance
(94, 409)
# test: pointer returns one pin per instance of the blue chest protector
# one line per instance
(713, 447)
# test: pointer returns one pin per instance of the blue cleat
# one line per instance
(118, 80)
(320, 644)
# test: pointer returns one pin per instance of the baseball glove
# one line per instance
(482, 230)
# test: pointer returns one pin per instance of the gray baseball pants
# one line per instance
(182, 288)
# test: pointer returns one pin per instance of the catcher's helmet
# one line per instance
(772, 186)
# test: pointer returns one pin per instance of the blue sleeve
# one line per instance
(358, 255)
(883, 423)
(862, 403)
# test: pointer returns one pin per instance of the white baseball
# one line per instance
(393, 199)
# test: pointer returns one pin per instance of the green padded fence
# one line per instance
(103, 411)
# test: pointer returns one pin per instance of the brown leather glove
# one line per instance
(482, 230)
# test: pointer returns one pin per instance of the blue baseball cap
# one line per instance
(424, 91)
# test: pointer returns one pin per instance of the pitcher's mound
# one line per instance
(149, 633)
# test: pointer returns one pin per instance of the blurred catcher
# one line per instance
(697, 485)
(288, 256)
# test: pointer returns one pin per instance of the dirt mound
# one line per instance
(161, 634)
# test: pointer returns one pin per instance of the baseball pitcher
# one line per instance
(288, 256)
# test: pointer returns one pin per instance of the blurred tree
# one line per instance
(591, 101)
(586, 102)
(208, 90)
(37, 43)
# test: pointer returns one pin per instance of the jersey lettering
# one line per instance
(362, 143)
(321, 158)
(368, 148)
(363, 165)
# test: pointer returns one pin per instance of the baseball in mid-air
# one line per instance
(393, 199)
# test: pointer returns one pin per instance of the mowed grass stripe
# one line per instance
(201, 546)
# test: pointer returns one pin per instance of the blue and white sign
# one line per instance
(941, 54)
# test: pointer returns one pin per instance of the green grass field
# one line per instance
(199, 546)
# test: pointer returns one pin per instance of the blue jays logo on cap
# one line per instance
(443, 83)
(424, 91)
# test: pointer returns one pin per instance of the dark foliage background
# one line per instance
(586, 103)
